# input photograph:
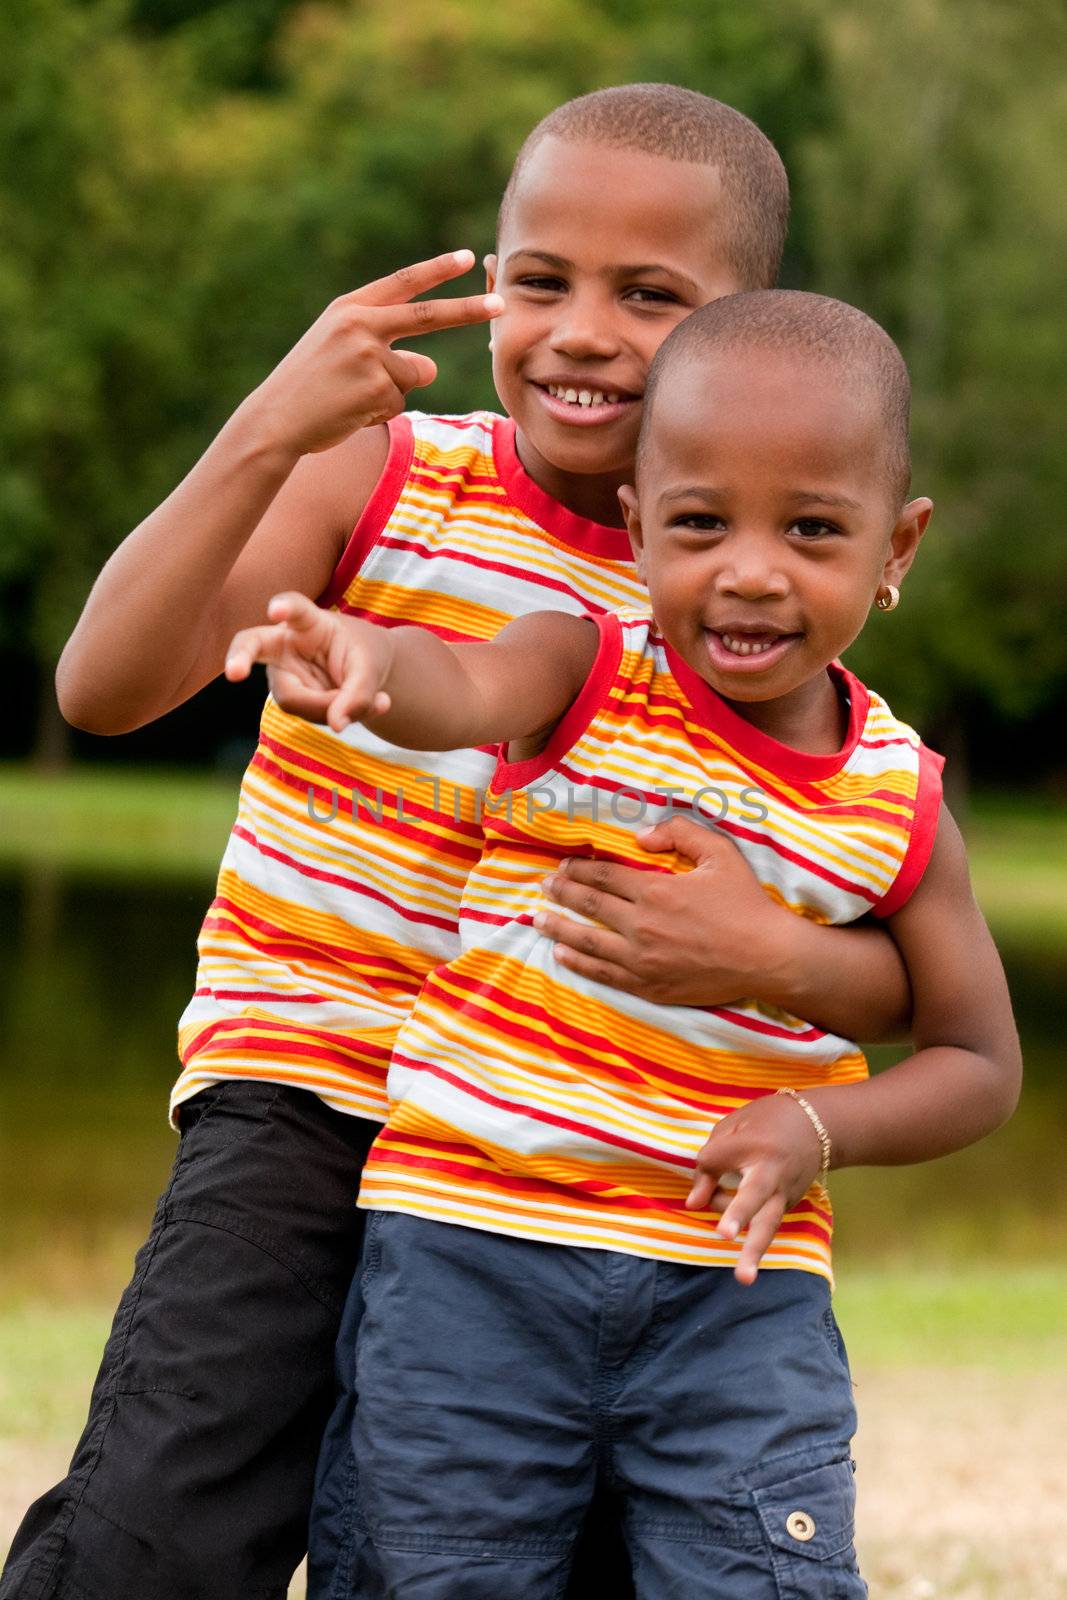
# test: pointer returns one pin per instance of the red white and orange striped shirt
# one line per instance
(526, 1099)
(340, 886)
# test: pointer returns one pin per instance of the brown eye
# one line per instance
(646, 295)
(812, 528)
(699, 522)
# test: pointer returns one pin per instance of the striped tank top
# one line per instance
(340, 886)
(527, 1099)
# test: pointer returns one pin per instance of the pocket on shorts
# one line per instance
(372, 1248)
(230, 1111)
(835, 1339)
(807, 1518)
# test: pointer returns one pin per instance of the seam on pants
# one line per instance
(496, 1549)
(342, 1576)
(112, 1388)
(223, 1223)
(263, 1118)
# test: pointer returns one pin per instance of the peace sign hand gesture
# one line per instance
(344, 373)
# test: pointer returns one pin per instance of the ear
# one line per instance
(628, 501)
(489, 263)
(904, 540)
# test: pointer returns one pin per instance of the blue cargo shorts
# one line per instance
(503, 1382)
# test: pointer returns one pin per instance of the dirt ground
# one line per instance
(962, 1484)
(962, 1478)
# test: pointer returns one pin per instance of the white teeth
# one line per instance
(581, 397)
(746, 647)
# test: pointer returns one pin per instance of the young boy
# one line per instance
(537, 1309)
(627, 210)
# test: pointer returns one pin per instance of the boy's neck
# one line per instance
(589, 495)
(812, 718)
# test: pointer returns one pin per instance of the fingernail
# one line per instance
(539, 919)
(461, 256)
(549, 884)
(494, 304)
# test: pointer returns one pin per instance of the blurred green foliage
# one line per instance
(184, 185)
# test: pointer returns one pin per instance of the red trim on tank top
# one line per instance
(924, 822)
(592, 538)
(376, 512)
(580, 714)
(751, 742)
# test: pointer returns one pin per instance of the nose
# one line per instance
(586, 328)
(751, 570)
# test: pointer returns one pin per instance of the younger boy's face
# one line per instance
(602, 253)
(765, 523)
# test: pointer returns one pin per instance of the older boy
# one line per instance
(627, 210)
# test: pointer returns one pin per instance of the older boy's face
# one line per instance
(602, 253)
(765, 521)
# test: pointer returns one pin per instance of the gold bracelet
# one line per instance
(817, 1123)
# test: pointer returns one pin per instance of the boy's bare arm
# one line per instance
(271, 502)
(961, 1083)
(713, 936)
(412, 688)
(964, 1078)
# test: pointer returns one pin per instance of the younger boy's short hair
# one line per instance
(663, 119)
(846, 340)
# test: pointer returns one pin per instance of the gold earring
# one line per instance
(888, 597)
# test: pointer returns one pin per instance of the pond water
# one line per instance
(96, 972)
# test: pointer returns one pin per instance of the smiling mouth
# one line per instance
(744, 647)
(586, 400)
(751, 644)
(584, 397)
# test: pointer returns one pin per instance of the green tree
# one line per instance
(96, 211)
(934, 193)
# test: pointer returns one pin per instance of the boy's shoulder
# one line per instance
(882, 728)
(449, 432)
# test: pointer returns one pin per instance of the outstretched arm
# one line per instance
(712, 936)
(413, 688)
(962, 1081)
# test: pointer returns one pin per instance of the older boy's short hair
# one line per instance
(849, 343)
(663, 119)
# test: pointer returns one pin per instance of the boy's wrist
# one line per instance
(781, 971)
(255, 433)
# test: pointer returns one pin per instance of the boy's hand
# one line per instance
(772, 1145)
(344, 374)
(713, 936)
(325, 667)
(699, 938)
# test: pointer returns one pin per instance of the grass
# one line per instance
(1018, 851)
(960, 1316)
(116, 821)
